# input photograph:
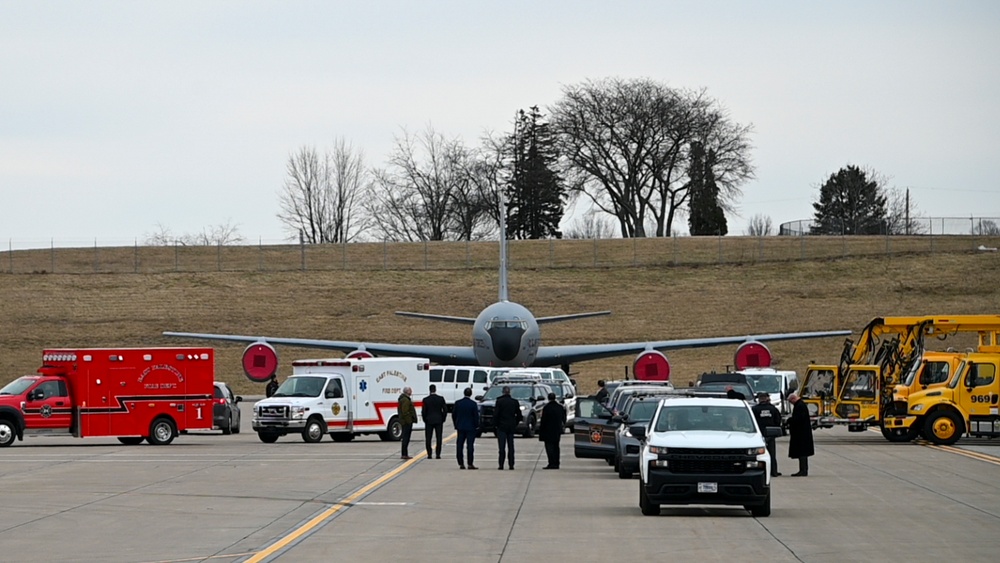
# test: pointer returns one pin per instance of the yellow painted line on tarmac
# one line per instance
(329, 512)
(974, 455)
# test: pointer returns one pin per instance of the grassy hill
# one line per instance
(648, 303)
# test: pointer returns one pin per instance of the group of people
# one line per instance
(465, 416)
(507, 415)
(800, 440)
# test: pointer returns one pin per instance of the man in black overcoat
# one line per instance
(550, 429)
(800, 436)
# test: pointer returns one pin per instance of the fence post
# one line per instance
(385, 255)
(468, 257)
(176, 258)
(552, 251)
(260, 254)
(302, 253)
(96, 267)
(52, 256)
(218, 256)
(135, 258)
(635, 254)
(595, 252)
(425, 254)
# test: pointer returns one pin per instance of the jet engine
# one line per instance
(260, 362)
(359, 354)
(752, 354)
(651, 365)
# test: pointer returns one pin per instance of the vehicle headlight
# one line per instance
(627, 432)
(917, 408)
(757, 451)
(298, 412)
(658, 450)
(524, 408)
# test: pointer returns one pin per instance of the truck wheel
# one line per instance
(131, 440)
(7, 433)
(161, 432)
(394, 431)
(761, 510)
(647, 507)
(623, 473)
(314, 430)
(944, 428)
(235, 429)
(529, 429)
(228, 428)
(899, 434)
(268, 437)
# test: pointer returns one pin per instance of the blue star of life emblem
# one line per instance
(363, 386)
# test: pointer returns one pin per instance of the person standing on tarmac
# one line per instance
(550, 429)
(506, 416)
(767, 415)
(800, 435)
(434, 412)
(272, 386)
(407, 418)
(465, 416)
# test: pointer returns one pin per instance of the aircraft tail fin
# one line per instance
(573, 316)
(503, 248)
(431, 317)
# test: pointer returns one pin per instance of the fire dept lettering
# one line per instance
(391, 373)
(161, 385)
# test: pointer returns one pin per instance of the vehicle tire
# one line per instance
(617, 464)
(529, 428)
(268, 437)
(943, 428)
(161, 432)
(228, 428)
(610, 461)
(236, 429)
(623, 473)
(647, 507)
(761, 510)
(394, 432)
(7, 433)
(130, 440)
(342, 436)
(314, 430)
(899, 434)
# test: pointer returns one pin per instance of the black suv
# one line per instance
(226, 409)
(531, 395)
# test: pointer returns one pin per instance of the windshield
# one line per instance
(714, 418)
(935, 372)
(18, 386)
(520, 392)
(301, 386)
(819, 384)
(642, 411)
(721, 388)
(769, 383)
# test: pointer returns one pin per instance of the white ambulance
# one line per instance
(343, 398)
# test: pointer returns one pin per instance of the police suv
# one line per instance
(704, 450)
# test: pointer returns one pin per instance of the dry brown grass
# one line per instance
(648, 303)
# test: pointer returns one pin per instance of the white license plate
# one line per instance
(708, 487)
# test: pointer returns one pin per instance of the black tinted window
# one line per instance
(463, 376)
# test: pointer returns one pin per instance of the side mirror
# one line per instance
(638, 431)
(36, 395)
(568, 396)
(479, 398)
(772, 431)
(238, 399)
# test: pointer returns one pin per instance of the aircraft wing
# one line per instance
(455, 355)
(558, 355)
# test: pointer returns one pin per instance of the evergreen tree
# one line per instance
(536, 191)
(705, 216)
(851, 202)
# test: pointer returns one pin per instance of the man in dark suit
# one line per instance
(800, 435)
(506, 416)
(465, 416)
(434, 412)
(550, 429)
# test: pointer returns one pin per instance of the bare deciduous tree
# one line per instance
(759, 226)
(593, 225)
(321, 199)
(627, 143)
(217, 235)
(427, 191)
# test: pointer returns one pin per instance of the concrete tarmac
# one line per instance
(210, 497)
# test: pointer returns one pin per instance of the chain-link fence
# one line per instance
(530, 254)
(974, 226)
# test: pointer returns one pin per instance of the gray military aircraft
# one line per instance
(505, 334)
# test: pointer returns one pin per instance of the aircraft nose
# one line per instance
(506, 342)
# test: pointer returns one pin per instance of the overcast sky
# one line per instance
(117, 117)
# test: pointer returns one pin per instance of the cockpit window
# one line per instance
(496, 323)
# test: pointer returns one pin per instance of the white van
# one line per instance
(451, 381)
